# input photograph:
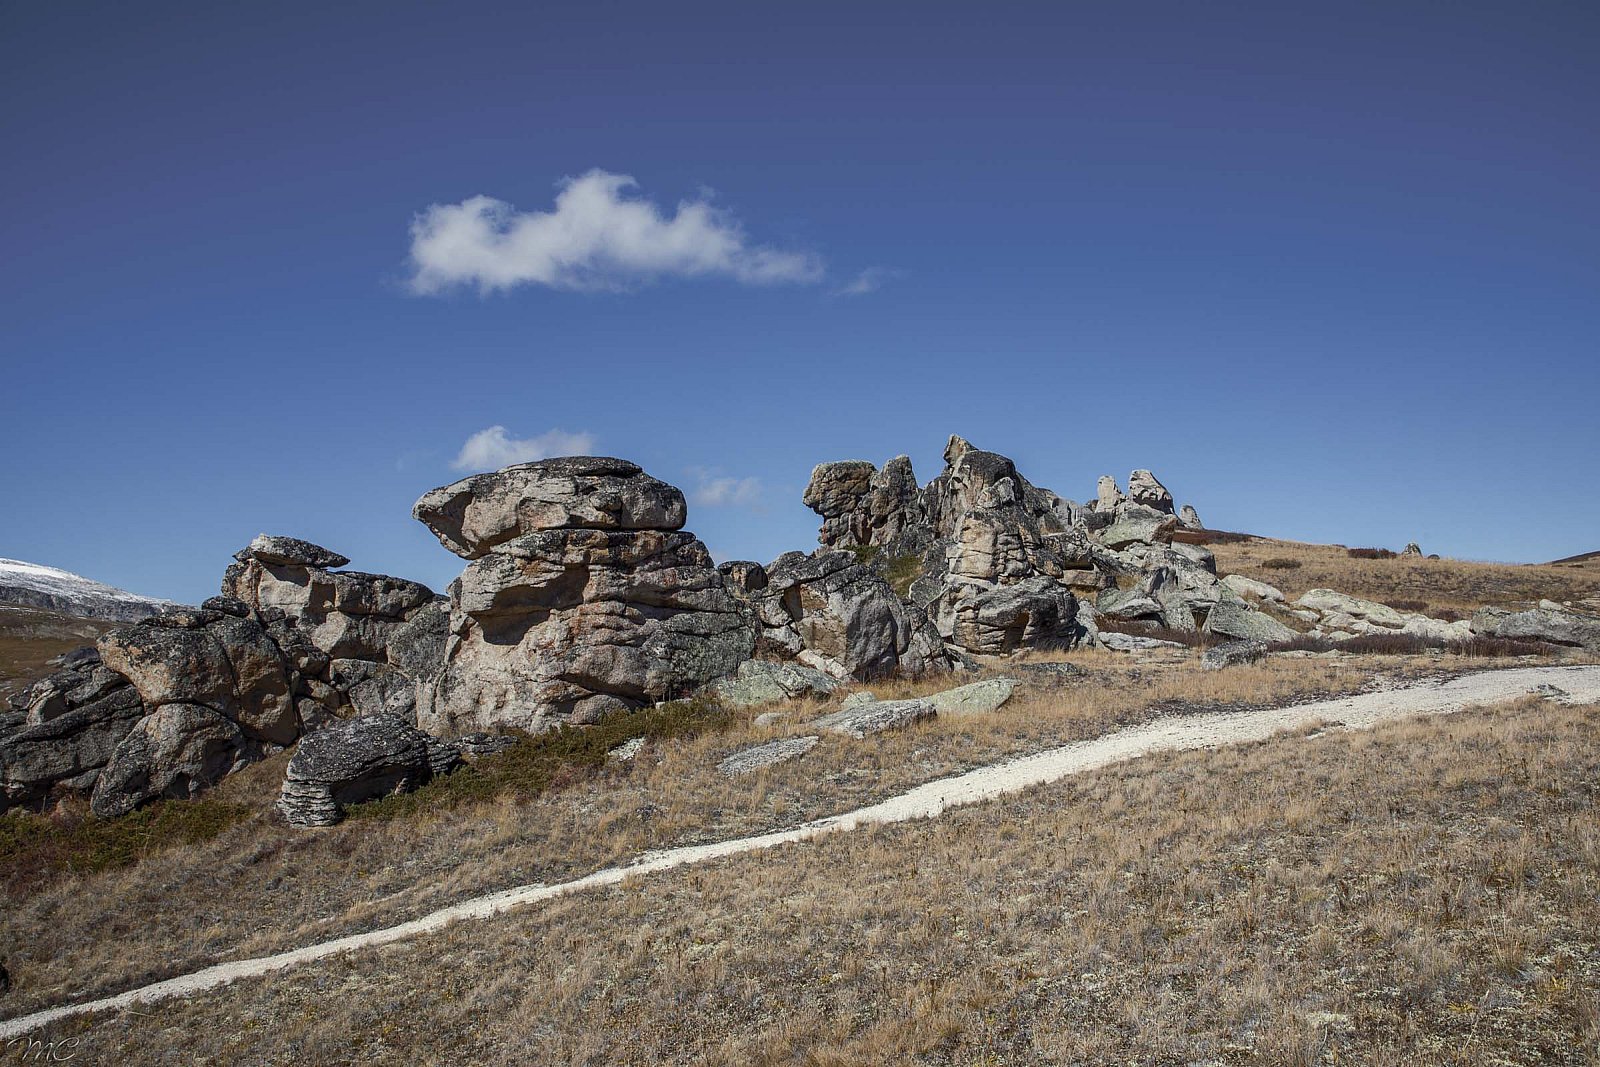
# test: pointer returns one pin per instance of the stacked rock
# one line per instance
(584, 595)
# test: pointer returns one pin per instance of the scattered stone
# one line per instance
(976, 698)
(765, 682)
(1232, 654)
(626, 751)
(876, 717)
(858, 698)
(1252, 588)
(1328, 602)
(1119, 642)
(1412, 549)
(755, 758)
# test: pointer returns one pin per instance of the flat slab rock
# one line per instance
(749, 760)
(874, 717)
(976, 698)
(1132, 642)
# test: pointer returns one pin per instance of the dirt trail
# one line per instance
(1579, 684)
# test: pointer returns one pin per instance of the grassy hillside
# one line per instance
(1425, 894)
(1442, 585)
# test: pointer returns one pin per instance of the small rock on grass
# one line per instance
(749, 760)
(876, 717)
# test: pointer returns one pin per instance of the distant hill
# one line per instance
(36, 586)
(1582, 557)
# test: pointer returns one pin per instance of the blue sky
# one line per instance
(1333, 273)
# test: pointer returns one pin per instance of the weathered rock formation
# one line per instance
(997, 558)
(583, 596)
(171, 704)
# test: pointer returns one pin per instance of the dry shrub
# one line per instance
(1370, 553)
(1403, 604)
(1281, 563)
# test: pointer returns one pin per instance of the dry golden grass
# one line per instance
(30, 637)
(1448, 584)
(260, 886)
(1428, 893)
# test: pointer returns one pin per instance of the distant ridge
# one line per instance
(36, 586)
(1582, 557)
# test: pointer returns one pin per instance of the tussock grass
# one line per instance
(1424, 894)
(259, 886)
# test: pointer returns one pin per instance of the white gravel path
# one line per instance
(1579, 684)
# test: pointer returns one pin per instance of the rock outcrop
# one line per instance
(168, 706)
(831, 613)
(583, 596)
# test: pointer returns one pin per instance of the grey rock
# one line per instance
(1412, 549)
(858, 698)
(1135, 523)
(1249, 587)
(758, 757)
(1232, 617)
(1144, 488)
(846, 616)
(476, 515)
(1232, 654)
(765, 682)
(1189, 518)
(351, 761)
(1556, 626)
(1329, 603)
(743, 576)
(1107, 495)
(875, 717)
(548, 621)
(975, 698)
(175, 751)
(1118, 642)
(290, 551)
(37, 758)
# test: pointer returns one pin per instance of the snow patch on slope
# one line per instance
(37, 586)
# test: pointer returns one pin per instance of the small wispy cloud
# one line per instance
(493, 448)
(596, 238)
(712, 489)
(868, 281)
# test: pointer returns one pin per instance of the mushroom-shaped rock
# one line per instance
(474, 516)
(351, 761)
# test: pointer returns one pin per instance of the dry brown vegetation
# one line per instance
(259, 886)
(1444, 585)
(1428, 893)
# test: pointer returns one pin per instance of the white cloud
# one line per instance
(868, 281)
(494, 448)
(596, 238)
(714, 490)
